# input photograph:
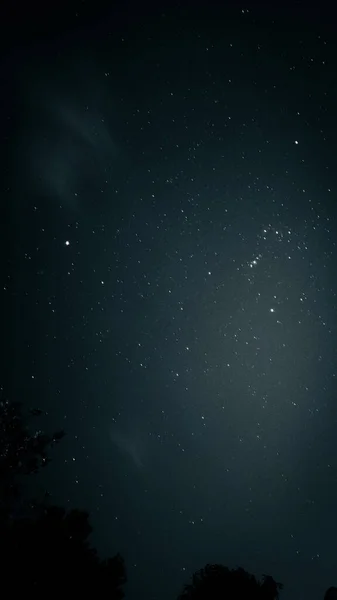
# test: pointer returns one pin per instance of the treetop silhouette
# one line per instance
(217, 582)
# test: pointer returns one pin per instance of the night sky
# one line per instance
(170, 281)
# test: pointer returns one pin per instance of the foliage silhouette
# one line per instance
(51, 551)
(331, 593)
(49, 548)
(217, 582)
(21, 451)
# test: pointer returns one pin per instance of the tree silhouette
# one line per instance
(52, 552)
(22, 452)
(270, 588)
(217, 582)
(331, 593)
(48, 550)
